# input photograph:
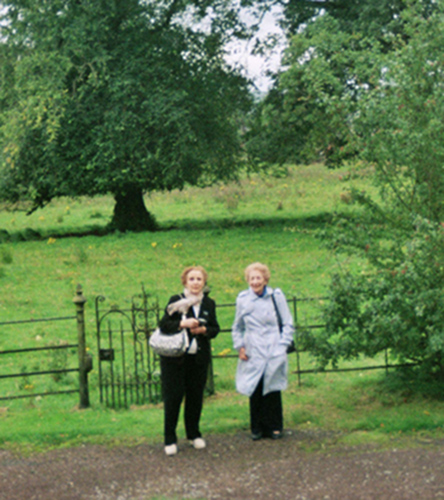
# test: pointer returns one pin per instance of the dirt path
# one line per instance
(232, 467)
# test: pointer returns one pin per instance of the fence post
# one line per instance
(298, 359)
(210, 377)
(79, 301)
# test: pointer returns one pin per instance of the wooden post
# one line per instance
(79, 301)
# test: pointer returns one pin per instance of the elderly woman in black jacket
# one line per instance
(186, 376)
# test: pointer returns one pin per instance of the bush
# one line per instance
(398, 306)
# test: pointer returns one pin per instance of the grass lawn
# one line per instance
(224, 228)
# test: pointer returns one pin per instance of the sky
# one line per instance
(253, 66)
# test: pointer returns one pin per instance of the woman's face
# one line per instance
(195, 282)
(256, 281)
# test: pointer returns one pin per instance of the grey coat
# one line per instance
(256, 328)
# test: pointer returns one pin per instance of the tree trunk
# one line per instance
(130, 213)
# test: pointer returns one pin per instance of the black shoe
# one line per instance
(276, 435)
(255, 436)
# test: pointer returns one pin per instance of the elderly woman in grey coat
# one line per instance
(262, 367)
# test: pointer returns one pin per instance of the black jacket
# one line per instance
(171, 324)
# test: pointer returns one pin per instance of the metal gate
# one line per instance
(129, 373)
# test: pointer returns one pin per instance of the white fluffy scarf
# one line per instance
(184, 304)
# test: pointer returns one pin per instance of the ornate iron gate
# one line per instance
(129, 373)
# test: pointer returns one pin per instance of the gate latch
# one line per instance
(106, 354)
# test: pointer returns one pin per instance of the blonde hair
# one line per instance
(187, 270)
(257, 266)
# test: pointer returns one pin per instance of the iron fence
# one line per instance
(128, 372)
(307, 317)
(83, 360)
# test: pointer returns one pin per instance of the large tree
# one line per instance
(117, 96)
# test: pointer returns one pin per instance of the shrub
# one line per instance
(398, 305)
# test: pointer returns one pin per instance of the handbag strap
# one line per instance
(277, 312)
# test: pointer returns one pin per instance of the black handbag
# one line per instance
(291, 348)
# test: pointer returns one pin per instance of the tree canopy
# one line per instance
(327, 68)
(117, 96)
(397, 301)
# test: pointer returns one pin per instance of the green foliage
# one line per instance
(374, 18)
(306, 115)
(399, 126)
(397, 303)
(398, 306)
(333, 48)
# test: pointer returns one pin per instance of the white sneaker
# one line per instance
(198, 443)
(171, 449)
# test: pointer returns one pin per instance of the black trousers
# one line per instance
(183, 377)
(265, 411)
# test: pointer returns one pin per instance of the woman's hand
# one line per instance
(194, 326)
(199, 330)
(190, 323)
(242, 355)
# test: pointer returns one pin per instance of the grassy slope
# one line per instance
(224, 228)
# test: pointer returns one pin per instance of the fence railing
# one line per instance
(305, 312)
(309, 322)
(83, 361)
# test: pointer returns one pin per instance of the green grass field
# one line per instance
(224, 228)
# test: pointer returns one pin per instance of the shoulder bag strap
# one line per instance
(277, 312)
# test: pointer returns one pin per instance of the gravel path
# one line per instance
(231, 467)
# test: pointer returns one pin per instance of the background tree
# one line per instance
(398, 302)
(332, 46)
(118, 96)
